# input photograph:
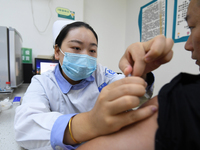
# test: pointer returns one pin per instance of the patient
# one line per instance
(176, 128)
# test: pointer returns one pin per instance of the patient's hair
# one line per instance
(63, 33)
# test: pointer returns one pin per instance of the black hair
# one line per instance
(63, 33)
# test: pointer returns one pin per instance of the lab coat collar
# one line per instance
(65, 86)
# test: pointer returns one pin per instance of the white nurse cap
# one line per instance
(58, 25)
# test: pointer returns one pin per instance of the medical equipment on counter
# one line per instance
(11, 69)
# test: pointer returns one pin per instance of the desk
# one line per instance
(7, 134)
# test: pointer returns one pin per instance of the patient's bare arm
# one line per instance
(139, 136)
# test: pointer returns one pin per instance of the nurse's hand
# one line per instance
(110, 111)
(142, 58)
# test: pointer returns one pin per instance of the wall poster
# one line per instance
(180, 32)
(152, 19)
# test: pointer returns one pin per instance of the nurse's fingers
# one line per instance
(157, 48)
(125, 90)
(123, 104)
(137, 55)
(139, 67)
(134, 55)
(125, 81)
(136, 115)
(167, 56)
(125, 66)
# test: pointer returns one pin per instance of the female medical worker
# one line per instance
(79, 100)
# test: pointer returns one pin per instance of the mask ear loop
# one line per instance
(62, 52)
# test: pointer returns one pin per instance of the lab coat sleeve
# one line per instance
(105, 76)
(58, 131)
(33, 125)
(34, 120)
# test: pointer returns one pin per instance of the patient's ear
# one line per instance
(57, 52)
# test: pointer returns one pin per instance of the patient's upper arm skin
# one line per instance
(137, 136)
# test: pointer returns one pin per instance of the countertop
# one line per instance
(7, 134)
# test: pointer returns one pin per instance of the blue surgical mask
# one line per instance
(78, 66)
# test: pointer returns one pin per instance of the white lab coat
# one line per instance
(44, 102)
